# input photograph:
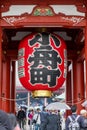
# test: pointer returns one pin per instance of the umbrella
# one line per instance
(57, 106)
(24, 106)
(62, 96)
(31, 107)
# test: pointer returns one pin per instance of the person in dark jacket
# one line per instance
(73, 116)
(4, 121)
(52, 121)
(43, 119)
(21, 116)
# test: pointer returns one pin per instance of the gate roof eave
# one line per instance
(43, 21)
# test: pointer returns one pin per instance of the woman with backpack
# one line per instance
(74, 121)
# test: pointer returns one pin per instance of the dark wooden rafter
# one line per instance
(81, 55)
(79, 40)
(4, 42)
(79, 36)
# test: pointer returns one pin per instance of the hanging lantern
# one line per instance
(42, 63)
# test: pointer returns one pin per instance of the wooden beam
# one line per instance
(43, 21)
(35, 2)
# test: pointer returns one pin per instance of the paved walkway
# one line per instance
(27, 127)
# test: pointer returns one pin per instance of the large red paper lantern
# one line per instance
(42, 63)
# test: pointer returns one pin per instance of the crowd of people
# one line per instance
(47, 120)
(43, 120)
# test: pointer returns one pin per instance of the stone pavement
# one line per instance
(27, 127)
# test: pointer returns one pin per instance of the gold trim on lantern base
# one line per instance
(41, 93)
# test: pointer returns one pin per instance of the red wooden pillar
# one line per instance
(86, 50)
(13, 87)
(78, 84)
(69, 89)
(6, 85)
(0, 68)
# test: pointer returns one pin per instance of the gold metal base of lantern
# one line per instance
(41, 93)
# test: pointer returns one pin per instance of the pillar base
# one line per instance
(41, 93)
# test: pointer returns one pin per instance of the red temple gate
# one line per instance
(43, 18)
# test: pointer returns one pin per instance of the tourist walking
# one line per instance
(30, 118)
(74, 121)
(21, 116)
(43, 119)
(52, 121)
(36, 119)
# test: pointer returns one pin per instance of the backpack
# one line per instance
(74, 124)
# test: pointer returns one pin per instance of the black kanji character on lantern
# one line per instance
(44, 39)
(45, 76)
(56, 40)
(45, 58)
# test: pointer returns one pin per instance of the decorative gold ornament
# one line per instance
(41, 93)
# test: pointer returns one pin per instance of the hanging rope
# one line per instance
(78, 102)
(13, 99)
(68, 102)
